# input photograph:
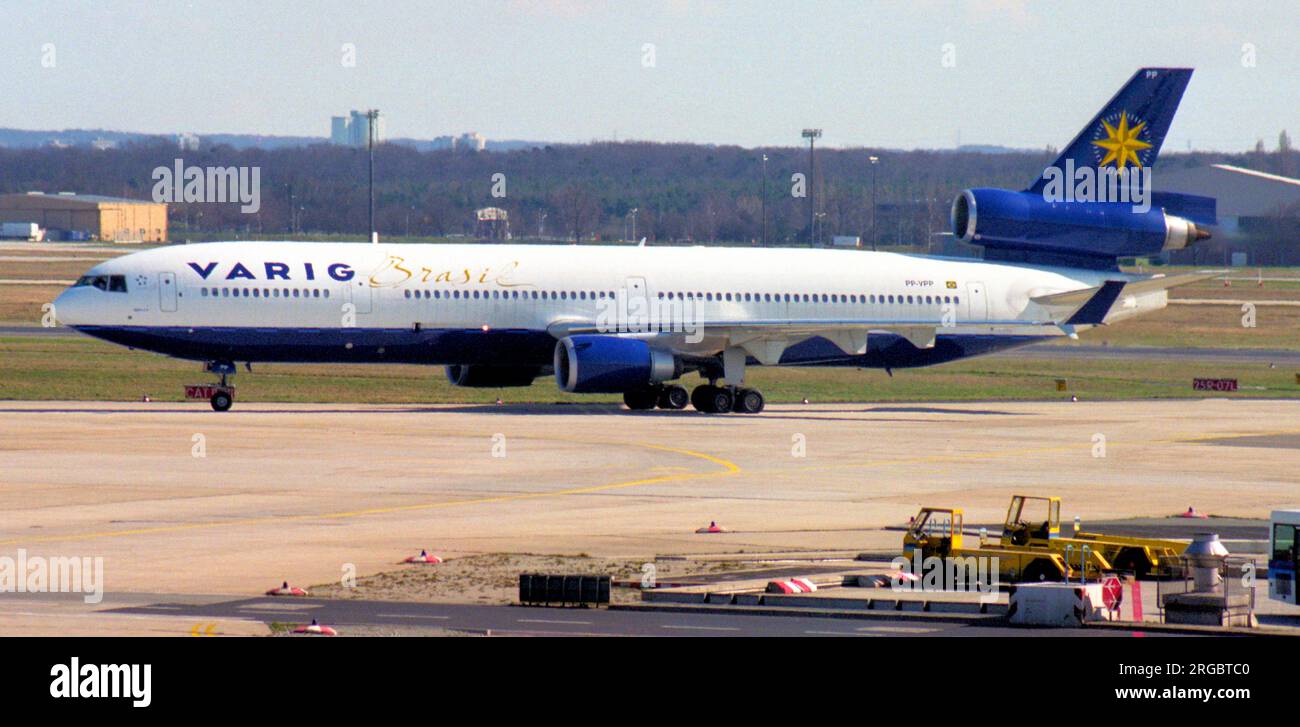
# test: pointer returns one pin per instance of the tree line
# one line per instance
(682, 193)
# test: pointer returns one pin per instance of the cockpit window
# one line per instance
(110, 283)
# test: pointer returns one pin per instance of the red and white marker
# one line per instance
(286, 590)
(792, 585)
(714, 527)
(316, 629)
(424, 558)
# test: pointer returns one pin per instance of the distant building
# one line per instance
(187, 141)
(103, 144)
(354, 129)
(69, 216)
(339, 130)
(492, 223)
(471, 141)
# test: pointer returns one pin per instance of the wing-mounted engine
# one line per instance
(609, 364)
(478, 376)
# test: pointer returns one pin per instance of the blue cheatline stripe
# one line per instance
(512, 347)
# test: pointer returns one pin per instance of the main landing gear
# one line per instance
(714, 399)
(734, 397)
(664, 397)
(709, 398)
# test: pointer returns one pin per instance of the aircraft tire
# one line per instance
(641, 399)
(749, 401)
(674, 397)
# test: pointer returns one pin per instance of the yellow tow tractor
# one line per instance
(1042, 529)
(936, 532)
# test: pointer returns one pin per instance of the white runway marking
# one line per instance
(702, 628)
(901, 629)
(412, 615)
(549, 621)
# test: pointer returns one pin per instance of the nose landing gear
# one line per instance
(220, 395)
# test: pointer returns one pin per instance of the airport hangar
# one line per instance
(70, 216)
(1259, 215)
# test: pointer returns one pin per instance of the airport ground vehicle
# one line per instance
(22, 231)
(1031, 547)
(936, 532)
(1140, 556)
(1284, 554)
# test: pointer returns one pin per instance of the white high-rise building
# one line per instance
(339, 130)
(354, 129)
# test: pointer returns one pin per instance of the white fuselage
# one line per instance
(223, 293)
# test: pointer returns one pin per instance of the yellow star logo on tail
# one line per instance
(1122, 143)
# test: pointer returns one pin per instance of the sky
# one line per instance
(918, 74)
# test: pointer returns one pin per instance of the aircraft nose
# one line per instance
(71, 305)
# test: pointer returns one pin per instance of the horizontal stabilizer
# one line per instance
(1165, 282)
(1094, 311)
(1091, 304)
(1194, 207)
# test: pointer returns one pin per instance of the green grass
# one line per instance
(72, 368)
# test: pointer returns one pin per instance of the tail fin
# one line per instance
(1130, 128)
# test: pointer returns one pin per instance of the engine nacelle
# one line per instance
(1002, 219)
(478, 376)
(594, 364)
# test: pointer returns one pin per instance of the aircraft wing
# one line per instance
(766, 340)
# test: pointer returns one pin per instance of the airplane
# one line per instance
(636, 319)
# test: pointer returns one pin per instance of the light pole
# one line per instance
(874, 160)
(764, 200)
(371, 117)
(633, 213)
(811, 135)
